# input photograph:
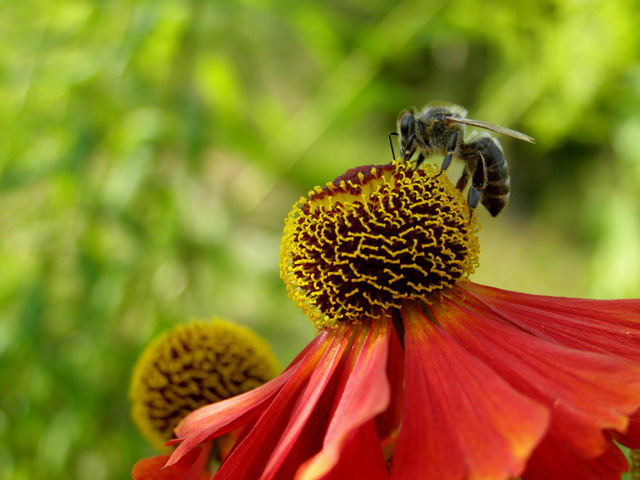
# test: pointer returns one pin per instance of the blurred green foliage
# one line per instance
(150, 150)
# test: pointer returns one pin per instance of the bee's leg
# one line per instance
(451, 149)
(473, 198)
(419, 160)
(410, 149)
(478, 184)
(393, 153)
(479, 179)
(462, 181)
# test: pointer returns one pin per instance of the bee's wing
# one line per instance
(493, 128)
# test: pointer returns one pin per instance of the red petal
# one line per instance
(586, 392)
(222, 417)
(304, 407)
(388, 422)
(461, 420)
(605, 326)
(360, 457)
(363, 394)
(192, 467)
(631, 438)
(555, 460)
(150, 469)
(281, 423)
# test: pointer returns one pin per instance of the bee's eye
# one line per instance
(406, 125)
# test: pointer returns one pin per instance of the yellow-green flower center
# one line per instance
(373, 238)
(193, 365)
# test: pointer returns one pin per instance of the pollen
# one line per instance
(193, 365)
(373, 238)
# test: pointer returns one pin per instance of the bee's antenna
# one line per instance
(393, 154)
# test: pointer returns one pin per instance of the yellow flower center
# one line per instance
(373, 238)
(191, 366)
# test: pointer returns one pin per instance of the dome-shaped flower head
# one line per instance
(418, 373)
(194, 364)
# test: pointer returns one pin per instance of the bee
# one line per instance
(439, 129)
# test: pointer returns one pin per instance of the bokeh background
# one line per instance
(150, 150)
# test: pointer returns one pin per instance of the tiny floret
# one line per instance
(374, 238)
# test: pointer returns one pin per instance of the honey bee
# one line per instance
(439, 129)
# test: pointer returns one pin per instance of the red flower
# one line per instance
(417, 373)
(497, 384)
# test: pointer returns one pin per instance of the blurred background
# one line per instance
(150, 150)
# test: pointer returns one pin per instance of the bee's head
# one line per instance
(406, 124)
